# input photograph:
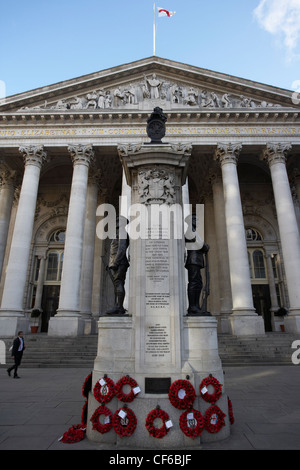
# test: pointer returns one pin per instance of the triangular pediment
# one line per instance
(141, 85)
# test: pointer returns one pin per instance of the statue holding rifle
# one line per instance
(196, 259)
(118, 265)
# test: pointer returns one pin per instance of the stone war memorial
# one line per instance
(154, 205)
(158, 352)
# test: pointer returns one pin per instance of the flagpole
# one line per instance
(153, 28)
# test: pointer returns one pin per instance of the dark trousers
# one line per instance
(118, 277)
(195, 282)
(18, 358)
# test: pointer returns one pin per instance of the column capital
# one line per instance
(34, 155)
(228, 153)
(81, 154)
(276, 152)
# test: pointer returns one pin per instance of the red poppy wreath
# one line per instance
(187, 423)
(210, 397)
(154, 431)
(87, 385)
(95, 419)
(182, 394)
(84, 413)
(124, 421)
(74, 434)
(126, 397)
(214, 419)
(230, 411)
(104, 390)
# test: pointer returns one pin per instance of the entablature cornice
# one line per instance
(234, 116)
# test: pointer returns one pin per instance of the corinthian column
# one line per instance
(7, 188)
(222, 247)
(89, 247)
(275, 154)
(68, 320)
(15, 279)
(244, 319)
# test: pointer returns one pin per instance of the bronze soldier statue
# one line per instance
(196, 249)
(118, 265)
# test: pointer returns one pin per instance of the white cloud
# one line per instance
(282, 19)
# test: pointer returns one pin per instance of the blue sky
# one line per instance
(44, 42)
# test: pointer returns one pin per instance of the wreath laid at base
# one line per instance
(182, 394)
(104, 390)
(214, 419)
(87, 386)
(210, 397)
(74, 434)
(187, 420)
(164, 429)
(230, 412)
(84, 412)
(124, 421)
(126, 397)
(95, 419)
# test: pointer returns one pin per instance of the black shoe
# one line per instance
(16, 377)
(8, 371)
(116, 311)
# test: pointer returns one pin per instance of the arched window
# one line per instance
(55, 257)
(54, 266)
(58, 236)
(253, 235)
(259, 264)
(256, 254)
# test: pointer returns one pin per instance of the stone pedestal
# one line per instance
(12, 323)
(156, 343)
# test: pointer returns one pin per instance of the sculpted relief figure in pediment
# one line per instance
(151, 91)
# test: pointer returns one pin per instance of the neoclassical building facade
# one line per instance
(60, 161)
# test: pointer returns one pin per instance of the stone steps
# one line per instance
(271, 348)
(44, 351)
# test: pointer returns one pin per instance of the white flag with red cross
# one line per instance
(164, 12)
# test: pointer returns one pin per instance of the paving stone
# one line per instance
(36, 410)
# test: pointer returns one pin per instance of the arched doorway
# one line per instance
(264, 277)
(48, 264)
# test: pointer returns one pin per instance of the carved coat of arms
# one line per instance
(156, 186)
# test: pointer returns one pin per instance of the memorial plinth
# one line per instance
(157, 343)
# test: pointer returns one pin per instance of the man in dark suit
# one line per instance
(17, 353)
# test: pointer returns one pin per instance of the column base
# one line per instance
(245, 323)
(292, 323)
(66, 326)
(11, 324)
(89, 323)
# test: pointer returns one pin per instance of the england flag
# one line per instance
(163, 12)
